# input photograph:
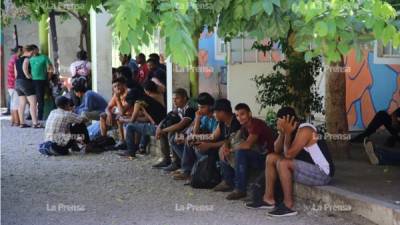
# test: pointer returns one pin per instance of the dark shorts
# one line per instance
(24, 87)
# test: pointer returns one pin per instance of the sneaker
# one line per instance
(162, 164)
(176, 172)
(182, 176)
(369, 149)
(282, 211)
(121, 145)
(126, 154)
(236, 195)
(259, 205)
(223, 187)
(172, 167)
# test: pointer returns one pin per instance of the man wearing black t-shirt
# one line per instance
(186, 114)
(147, 114)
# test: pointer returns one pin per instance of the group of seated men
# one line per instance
(212, 128)
(237, 140)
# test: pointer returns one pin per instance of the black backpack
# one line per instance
(100, 144)
(171, 119)
(205, 173)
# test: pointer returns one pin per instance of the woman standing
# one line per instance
(25, 88)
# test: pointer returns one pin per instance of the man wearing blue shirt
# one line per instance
(92, 104)
(204, 123)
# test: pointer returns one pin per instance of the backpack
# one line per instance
(171, 119)
(205, 173)
(100, 144)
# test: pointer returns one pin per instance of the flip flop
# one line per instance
(24, 125)
(37, 126)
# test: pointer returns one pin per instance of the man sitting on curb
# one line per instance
(63, 127)
(146, 116)
(92, 103)
(249, 153)
(204, 123)
(186, 114)
(300, 156)
(116, 107)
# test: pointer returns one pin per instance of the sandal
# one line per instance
(24, 125)
(37, 126)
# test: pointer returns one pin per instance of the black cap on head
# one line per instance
(223, 105)
(205, 99)
(63, 102)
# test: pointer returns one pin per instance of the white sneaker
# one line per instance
(369, 149)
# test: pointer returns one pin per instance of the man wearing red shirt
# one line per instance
(11, 85)
(143, 69)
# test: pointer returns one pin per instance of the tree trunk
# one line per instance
(2, 75)
(43, 35)
(54, 41)
(193, 71)
(335, 105)
(87, 37)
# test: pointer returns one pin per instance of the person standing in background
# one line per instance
(25, 89)
(17, 52)
(143, 69)
(41, 69)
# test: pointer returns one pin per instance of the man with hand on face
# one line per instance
(250, 152)
(298, 155)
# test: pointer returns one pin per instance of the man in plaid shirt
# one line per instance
(63, 127)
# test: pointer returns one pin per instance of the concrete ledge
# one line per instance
(377, 211)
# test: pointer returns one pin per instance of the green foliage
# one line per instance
(332, 28)
(292, 83)
(270, 119)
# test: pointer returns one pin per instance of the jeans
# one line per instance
(177, 149)
(387, 157)
(244, 159)
(40, 88)
(144, 141)
(147, 129)
(189, 157)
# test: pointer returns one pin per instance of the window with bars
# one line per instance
(240, 51)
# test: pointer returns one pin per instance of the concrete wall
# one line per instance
(101, 43)
(67, 34)
(240, 86)
(68, 42)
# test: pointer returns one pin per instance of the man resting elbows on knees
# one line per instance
(300, 156)
(249, 153)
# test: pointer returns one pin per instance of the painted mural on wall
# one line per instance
(212, 65)
(370, 89)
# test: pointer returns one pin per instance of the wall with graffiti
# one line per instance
(370, 88)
